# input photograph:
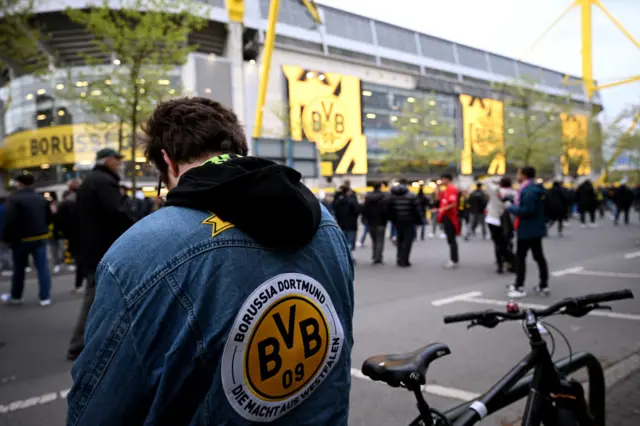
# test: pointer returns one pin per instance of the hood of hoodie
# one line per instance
(399, 189)
(265, 200)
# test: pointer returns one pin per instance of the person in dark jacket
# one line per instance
(102, 218)
(67, 224)
(346, 210)
(531, 228)
(623, 199)
(5, 250)
(424, 204)
(587, 201)
(477, 205)
(404, 213)
(557, 206)
(375, 212)
(27, 231)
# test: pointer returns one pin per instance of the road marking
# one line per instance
(33, 401)
(632, 255)
(457, 298)
(567, 271)
(503, 303)
(608, 274)
(437, 390)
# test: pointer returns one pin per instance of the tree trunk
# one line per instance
(120, 134)
(134, 125)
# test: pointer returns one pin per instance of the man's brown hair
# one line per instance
(190, 128)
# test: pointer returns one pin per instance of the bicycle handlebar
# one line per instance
(589, 301)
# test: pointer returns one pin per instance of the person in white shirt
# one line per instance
(499, 196)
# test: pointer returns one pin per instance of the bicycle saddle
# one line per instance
(401, 369)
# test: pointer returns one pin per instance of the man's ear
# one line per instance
(172, 167)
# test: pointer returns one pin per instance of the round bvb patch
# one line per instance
(284, 342)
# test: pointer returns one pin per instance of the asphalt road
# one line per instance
(397, 310)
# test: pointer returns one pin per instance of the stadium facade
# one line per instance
(354, 73)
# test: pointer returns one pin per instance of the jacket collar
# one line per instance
(107, 170)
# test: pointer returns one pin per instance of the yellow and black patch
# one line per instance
(218, 225)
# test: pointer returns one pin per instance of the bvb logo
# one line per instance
(483, 133)
(323, 121)
(287, 348)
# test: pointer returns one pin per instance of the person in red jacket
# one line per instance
(448, 216)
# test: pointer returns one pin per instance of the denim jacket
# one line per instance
(195, 323)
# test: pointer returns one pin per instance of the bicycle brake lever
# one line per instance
(472, 324)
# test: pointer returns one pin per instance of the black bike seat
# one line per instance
(402, 369)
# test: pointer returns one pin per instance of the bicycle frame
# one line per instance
(545, 379)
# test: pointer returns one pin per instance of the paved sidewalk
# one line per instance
(623, 402)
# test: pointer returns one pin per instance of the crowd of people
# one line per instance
(83, 225)
(493, 205)
(210, 310)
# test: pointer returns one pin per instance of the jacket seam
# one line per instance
(128, 318)
(190, 253)
(186, 303)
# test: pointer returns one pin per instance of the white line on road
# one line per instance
(457, 298)
(437, 390)
(32, 402)
(503, 303)
(567, 271)
(608, 274)
(632, 255)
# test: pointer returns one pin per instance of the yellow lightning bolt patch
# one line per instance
(217, 225)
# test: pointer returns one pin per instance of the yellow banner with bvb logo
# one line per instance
(575, 132)
(68, 144)
(483, 133)
(325, 108)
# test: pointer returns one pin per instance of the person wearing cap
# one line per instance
(102, 217)
(27, 230)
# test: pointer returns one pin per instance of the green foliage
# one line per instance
(623, 135)
(146, 39)
(425, 139)
(19, 51)
(19, 38)
(533, 129)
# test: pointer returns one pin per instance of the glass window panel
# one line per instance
(375, 99)
(472, 58)
(347, 25)
(552, 78)
(530, 72)
(503, 66)
(396, 38)
(437, 49)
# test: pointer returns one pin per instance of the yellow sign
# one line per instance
(325, 108)
(217, 225)
(285, 341)
(236, 10)
(69, 144)
(575, 131)
(483, 132)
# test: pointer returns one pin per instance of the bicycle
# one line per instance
(552, 398)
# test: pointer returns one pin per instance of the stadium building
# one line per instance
(341, 84)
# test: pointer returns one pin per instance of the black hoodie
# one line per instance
(265, 200)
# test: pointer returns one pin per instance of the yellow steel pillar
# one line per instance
(269, 42)
(587, 46)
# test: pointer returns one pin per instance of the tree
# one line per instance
(533, 128)
(20, 52)
(425, 139)
(623, 135)
(145, 40)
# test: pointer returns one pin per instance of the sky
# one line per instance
(510, 27)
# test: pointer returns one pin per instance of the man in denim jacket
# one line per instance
(232, 305)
